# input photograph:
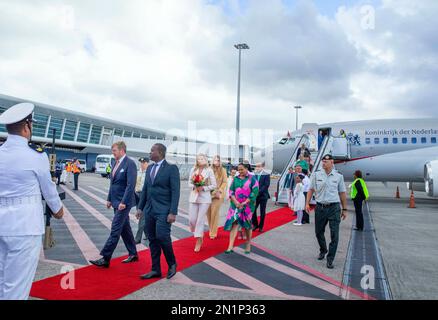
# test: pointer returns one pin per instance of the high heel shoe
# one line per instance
(198, 245)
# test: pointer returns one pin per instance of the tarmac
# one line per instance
(283, 262)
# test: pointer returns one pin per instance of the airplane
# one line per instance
(396, 150)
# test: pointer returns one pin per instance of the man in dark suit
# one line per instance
(121, 197)
(264, 180)
(159, 203)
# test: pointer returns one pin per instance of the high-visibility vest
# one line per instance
(68, 167)
(76, 169)
(353, 193)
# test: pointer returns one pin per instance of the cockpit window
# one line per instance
(283, 141)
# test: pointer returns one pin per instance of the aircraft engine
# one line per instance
(431, 178)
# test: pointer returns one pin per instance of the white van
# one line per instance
(102, 161)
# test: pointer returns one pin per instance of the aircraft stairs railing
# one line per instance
(281, 194)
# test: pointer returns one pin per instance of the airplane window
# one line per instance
(404, 140)
(376, 140)
(385, 140)
(433, 139)
(414, 140)
(423, 140)
(394, 140)
(367, 140)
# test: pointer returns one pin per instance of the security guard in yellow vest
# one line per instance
(76, 169)
(359, 193)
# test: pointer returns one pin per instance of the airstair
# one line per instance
(338, 147)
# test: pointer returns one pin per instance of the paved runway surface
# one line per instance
(282, 264)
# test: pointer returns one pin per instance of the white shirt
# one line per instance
(158, 165)
(24, 176)
(306, 184)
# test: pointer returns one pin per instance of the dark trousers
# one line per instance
(120, 227)
(76, 180)
(58, 176)
(158, 231)
(306, 218)
(359, 215)
(262, 203)
(332, 216)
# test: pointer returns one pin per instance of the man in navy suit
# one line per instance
(159, 203)
(121, 197)
(264, 180)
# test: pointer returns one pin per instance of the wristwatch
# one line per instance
(344, 209)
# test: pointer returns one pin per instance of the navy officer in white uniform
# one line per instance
(25, 175)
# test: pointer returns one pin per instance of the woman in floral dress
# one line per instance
(243, 194)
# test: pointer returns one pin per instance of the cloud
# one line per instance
(160, 64)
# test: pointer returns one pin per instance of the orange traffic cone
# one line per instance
(412, 200)
(397, 193)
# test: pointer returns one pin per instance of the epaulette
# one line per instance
(37, 147)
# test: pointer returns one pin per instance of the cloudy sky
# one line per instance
(160, 64)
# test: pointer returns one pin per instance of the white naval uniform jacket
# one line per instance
(24, 176)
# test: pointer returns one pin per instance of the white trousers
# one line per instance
(18, 263)
(197, 218)
(64, 176)
(69, 174)
(290, 198)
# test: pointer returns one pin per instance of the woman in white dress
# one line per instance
(299, 200)
(200, 197)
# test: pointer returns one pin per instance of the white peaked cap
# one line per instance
(17, 113)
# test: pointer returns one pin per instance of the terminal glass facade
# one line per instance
(55, 123)
(84, 130)
(96, 132)
(70, 130)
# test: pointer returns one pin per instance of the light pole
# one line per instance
(240, 47)
(296, 116)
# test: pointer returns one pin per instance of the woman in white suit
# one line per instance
(200, 198)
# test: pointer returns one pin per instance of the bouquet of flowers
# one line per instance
(198, 180)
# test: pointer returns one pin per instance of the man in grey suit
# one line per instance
(121, 197)
(159, 203)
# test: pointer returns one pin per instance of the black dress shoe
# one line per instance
(172, 271)
(330, 264)
(322, 255)
(130, 259)
(150, 275)
(101, 263)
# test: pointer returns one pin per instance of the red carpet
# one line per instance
(92, 283)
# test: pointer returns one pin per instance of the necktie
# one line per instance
(116, 167)
(153, 172)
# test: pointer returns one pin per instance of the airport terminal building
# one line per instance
(82, 136)
(78, 135)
